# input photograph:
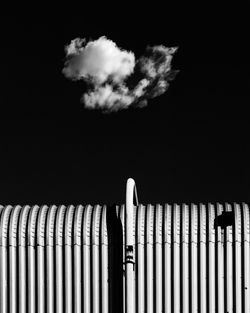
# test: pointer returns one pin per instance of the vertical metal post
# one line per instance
(129, 246)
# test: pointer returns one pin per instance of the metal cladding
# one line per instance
(188, 258)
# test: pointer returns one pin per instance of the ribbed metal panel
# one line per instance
(70, 259)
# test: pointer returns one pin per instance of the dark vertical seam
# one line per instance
(216, 263)
(225, 267)
(242, 258)
(234, 261)
(81, 259)
(136, 257)
(207, 257)
(8, 261)
(154, 258)
(199, 259)
(91, 260)
(181, 259)
(73, 260)
(54, 259)
(145, 259)
(125, 233)
(100, 260)
(190, 257)
(163, 256)
(172, 259)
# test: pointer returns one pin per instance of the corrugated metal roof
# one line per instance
(188, 257)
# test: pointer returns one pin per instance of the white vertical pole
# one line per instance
(129, 246)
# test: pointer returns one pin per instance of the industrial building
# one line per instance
(125, 258)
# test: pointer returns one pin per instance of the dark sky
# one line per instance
(190, 144)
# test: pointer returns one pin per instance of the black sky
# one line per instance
(191, 144)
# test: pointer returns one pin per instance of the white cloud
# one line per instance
(158, 63)
(139, 89)
(108, 99)
(98, 61)
(160, 87)
(105, 67)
